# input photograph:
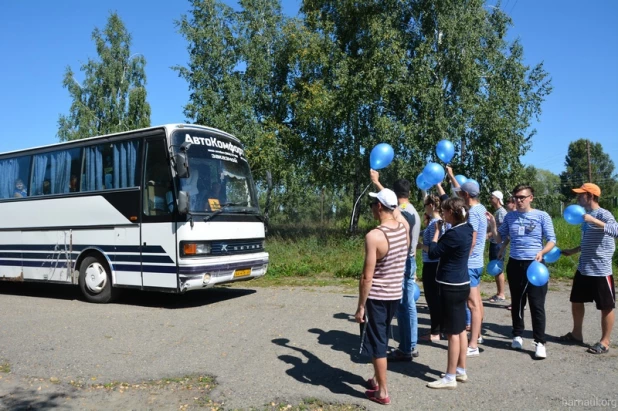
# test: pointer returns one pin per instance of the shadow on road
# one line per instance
(190, 299)
(21, 399)
(316, 372)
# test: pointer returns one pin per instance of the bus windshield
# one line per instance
(219, 173)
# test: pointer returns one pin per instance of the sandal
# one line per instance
(598, 348)
(568, 338)
(497, 299)
(373, 396)
(372, 384)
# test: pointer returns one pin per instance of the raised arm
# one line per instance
(451, 176)
(375, 179)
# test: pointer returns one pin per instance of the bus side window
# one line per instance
(14, 171)
(159, 197)
(51, 173)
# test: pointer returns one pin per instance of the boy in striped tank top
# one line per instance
(386, 250)
(593, 279)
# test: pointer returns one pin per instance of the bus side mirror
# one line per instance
(180, 160)
(183, 202)
(182, 166)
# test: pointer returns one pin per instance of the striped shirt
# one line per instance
(597, 248)
(527, 231)
(388, 274)
(428, 237)
(478, 221)
(499, 216)
(611, 229)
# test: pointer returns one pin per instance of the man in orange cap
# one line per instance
(593, 279)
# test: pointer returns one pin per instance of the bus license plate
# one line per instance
(242, 273)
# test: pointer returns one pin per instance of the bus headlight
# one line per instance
(194, 249)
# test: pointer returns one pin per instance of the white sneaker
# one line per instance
(480, 340)
(458, 377)
(517, 343)
(442, 383)
(540, 350)
(473, 352)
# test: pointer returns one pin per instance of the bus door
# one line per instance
(158, 236)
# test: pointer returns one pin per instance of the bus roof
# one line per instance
(169, 128)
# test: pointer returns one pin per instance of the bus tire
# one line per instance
(95, 280)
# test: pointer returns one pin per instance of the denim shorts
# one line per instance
(475, 276)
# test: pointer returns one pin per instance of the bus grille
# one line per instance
(237, 246)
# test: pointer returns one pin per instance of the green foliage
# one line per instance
(576, 164)
(319, 255)
(311, 96)
(112, 97)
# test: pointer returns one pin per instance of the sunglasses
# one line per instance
(521, 198)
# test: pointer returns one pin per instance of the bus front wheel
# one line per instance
(95, 280)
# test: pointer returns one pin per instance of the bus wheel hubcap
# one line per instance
(96, 277)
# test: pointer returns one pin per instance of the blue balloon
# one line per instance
(434, 173)
(422, 183)
(381, 156)
(445, 150)
(460, 179)
(574, 214)
(417, 292)
(495, 267)
(537, 274)
(552, 256)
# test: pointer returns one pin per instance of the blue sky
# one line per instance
(578, 41)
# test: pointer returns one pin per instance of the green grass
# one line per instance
(5, 367)
(323, 256)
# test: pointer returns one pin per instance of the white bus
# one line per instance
(170, 208)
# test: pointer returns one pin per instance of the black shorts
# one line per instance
(374, 336)
(601, 290)
(453, 300)
(494, 249)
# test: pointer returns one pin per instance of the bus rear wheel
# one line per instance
(95, 280)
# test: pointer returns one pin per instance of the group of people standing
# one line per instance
(453, 245)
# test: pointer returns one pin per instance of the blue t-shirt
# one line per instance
(597, 248)
(428, 236)
(527, 231)
(478, 221)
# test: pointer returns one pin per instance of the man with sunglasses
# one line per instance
(593, 279)
(526, 228)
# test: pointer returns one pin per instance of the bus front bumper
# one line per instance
(199, 276)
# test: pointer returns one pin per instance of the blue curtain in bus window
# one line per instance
(93, 169)
(9, 170)
(125, 162)
(60, 172)
(38, 174)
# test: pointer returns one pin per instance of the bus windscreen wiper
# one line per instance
(223, 208)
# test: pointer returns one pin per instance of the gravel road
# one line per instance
(268, 345)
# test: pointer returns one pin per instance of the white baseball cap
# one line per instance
(499, 196)
(387, 197)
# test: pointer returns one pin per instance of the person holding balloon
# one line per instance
(386, 250)
(527, 228)
(407, 319)
(593, 279)
(453, 281)
(470, 191)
